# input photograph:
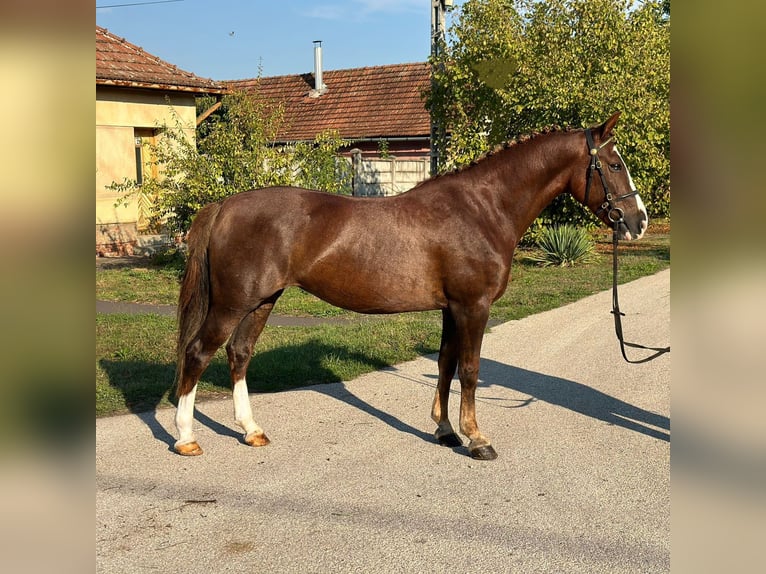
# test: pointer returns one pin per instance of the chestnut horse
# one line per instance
(446, 244)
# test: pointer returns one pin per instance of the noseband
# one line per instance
(614, 213)
(616, 216)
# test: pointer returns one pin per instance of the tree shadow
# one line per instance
(573, 396)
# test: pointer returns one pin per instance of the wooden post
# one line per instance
(356, 168)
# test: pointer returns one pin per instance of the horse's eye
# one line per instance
(615, 166)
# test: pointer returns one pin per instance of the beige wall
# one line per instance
(118, 113)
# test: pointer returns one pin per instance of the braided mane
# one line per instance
(519, 140)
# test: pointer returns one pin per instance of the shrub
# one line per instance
(233, 152)
(563, 245)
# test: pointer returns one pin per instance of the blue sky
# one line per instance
(230, 39)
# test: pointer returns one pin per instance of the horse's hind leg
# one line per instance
(213, 333)
(240, 351)
(448, 358)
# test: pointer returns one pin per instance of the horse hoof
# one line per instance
(483, 452)
(188, 449)
(256, 439)
(450, 439)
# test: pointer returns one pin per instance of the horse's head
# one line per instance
(604, 184)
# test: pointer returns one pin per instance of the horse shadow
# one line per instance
(343, 394)
(573, 396)
(147, 387)
(274, 370)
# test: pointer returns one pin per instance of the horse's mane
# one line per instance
(517, 141)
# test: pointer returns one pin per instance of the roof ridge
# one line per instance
(106, 32)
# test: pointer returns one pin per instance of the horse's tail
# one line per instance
(194, 298)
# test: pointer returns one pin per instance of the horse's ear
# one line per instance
(606, 127)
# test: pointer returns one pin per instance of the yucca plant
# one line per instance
(562, 246)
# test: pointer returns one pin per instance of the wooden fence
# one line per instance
(379, 177)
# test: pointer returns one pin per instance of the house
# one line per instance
(373, 106)
(380, 110)
(136, 93)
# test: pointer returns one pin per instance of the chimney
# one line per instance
(319, 86)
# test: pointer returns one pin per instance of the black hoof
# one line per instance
(485, 452)
(450, 440)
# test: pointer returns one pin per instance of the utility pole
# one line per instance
(438, 35)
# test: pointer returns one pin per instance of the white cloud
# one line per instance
(393, 6)
(327, 12)
(361, 9)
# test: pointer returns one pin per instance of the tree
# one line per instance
(513, 67)
(233, 152)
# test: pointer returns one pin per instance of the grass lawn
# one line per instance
(135, 354)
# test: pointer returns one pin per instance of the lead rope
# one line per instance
(618, 314)
(615, 215)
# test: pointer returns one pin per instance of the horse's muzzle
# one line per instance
(634, 230)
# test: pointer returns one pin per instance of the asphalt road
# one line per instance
(354, 482)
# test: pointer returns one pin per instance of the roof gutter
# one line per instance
(157, 86)
(390, 139)
(353, 140)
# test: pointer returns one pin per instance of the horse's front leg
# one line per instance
(445, 434)
(471, 324)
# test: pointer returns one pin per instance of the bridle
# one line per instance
(614, 213)
(616, 216)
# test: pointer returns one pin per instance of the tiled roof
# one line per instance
(371, 102)
(120, 63)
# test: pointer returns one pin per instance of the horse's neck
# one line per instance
(529, 177)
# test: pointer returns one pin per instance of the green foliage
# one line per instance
(170, 258)
(563, 245)
(559, 62)
(563, 210)
(319, 166)
(383, 151)
(233, 152)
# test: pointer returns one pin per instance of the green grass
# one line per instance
(534, 288)
(158, 285)
(138, 285)
(135, 361)
(296, 302)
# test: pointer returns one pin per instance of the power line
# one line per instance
(138, 3)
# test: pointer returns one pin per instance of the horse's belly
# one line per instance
(367, 291)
